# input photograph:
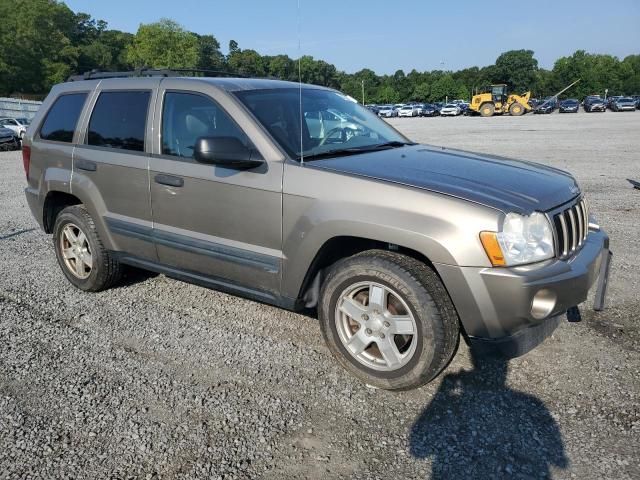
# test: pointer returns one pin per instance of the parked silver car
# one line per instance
(451, 109)
(409, 111)
(235, 184)
(387, 111)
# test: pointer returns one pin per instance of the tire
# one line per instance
(414, 295)
(487, 109)
(99, 270)
(516, 109)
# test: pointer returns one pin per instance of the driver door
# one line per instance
(212, 222)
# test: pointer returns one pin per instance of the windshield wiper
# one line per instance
(356, 150)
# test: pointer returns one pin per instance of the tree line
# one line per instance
(43, 42)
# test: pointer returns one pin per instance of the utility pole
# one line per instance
(363, 93)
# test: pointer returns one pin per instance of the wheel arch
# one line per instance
(54, 202)
(343, 246)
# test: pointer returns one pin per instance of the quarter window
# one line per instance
(63, 117)
(119, 120)
(187, 117)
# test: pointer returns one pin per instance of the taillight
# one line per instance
(26, 159)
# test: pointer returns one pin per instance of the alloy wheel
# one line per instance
(76, 251)
(376, 326)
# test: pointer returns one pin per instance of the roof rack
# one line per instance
(153, 72)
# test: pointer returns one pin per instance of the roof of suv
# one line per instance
(229, 84)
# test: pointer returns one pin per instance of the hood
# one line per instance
(502, 183)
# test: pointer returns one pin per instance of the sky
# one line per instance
(388, 35)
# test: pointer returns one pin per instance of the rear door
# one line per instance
(218, 222)
(111, 162)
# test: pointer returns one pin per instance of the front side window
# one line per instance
(187, 117)
(119, 120)
(63, 117)
(331, 122)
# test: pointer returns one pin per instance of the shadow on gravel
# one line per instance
(134, 275)
(478, 427)
(15, 234)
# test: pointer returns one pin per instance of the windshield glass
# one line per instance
(331, 121)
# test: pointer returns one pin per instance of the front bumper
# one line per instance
(495, 305)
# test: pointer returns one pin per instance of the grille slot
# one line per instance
(572, 228)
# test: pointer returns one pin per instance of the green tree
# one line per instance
(421, 92)
(209, 55)
(388, 94)
(247, 62)
(164, 44)
(631, 82)
(444, 87)
(463, 93)
(282, 67)
(516, 68)
(36, 47)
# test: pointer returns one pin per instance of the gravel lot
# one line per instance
(161, 379)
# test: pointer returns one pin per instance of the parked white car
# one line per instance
(408, 111)
(387, 111)
(451, 109)
(16, 125)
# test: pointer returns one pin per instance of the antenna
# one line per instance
(300, 85)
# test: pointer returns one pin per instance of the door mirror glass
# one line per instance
(227, 152)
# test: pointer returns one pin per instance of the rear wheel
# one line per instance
(388, 319)
(487, 110)
(516, 109)
(80, 253)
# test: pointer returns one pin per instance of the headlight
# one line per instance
(522, 240)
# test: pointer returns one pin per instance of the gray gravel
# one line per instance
(161, 379)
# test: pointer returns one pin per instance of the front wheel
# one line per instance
(388, 320)
(516, 109)
(487, 110)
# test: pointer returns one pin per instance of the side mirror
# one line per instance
(227, 152)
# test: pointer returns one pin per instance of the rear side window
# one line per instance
(119, 119)
(63, 117)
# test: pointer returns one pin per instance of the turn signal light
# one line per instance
(492, 247)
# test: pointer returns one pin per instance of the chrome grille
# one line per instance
(572, 228)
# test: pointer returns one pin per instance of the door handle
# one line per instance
(86, 165)
(169, 180)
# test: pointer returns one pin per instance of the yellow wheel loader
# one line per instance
(494, 100)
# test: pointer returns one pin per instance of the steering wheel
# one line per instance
(343, 134)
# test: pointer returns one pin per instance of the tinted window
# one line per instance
(63, 117)
(119, 119)
(187, 117)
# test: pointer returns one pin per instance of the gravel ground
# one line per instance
(161, 379)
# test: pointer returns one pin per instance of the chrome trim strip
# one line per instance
(580, 224)
(565, 233)
(574, 234)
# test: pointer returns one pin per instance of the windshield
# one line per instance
(332, 122)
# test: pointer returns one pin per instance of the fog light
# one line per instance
(543, 304)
